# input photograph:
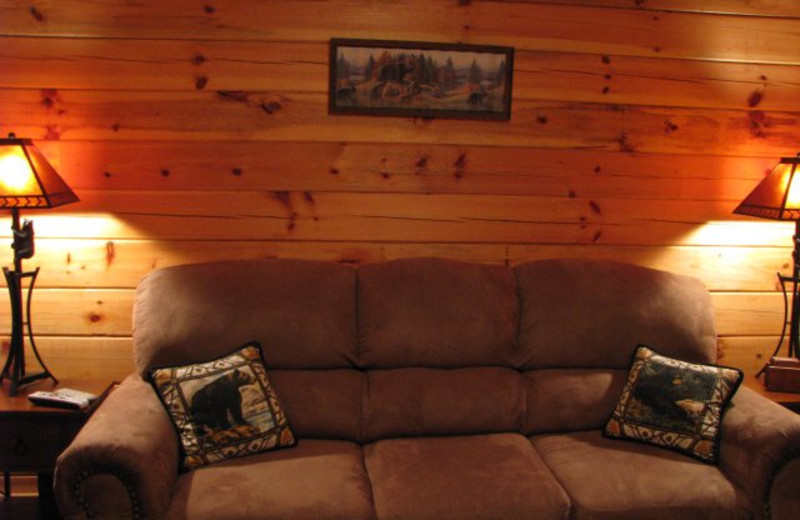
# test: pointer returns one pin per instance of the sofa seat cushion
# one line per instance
(315, 480)
(606, 479)
(496, 476)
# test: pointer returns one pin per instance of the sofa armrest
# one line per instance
(124, 462)
(760, 451)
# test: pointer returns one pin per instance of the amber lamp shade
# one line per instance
(27, 180)
(776, 197)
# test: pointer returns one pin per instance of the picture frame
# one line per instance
(420, 79)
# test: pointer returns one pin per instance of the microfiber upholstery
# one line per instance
(302, 313)
(480, 477)
(276, 485)
(438, 338)
(428, 312)
(427, 346)
(567, 400)
(591, 314)
(428, 388)
(612, 480)
(322, 404)
(426, 401)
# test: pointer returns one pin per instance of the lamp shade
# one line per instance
(776, 197)
(27, 180)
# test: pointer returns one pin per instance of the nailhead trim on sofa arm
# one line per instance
(133, 464)
(84, 503)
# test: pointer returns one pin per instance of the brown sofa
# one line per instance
(429, 389)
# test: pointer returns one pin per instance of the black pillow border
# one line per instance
(723, 408)
(150, 378)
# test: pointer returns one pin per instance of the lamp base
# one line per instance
(14, 368)
(782, 374)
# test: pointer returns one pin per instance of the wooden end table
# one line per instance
(789, 400)
(32, 436)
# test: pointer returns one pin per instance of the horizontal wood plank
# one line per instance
(111, 64)
(70, 357)
(122, 263)
(71, 312)
(134, 115)
(533, 26)
(114, 64)
(780, 8)
(748, 353)
(748, 314)
(399, 168)
(405, 218)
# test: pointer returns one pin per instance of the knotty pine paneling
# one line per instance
(784, 8)
(401, 168)
(114, 264)
(198, 130)
(267, 116)
(442, 218)
(540, 26)
(111, 64)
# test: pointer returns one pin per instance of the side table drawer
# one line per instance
(34, 444)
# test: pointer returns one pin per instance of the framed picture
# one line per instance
(415, 79)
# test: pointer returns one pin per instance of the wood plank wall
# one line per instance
(197, 129)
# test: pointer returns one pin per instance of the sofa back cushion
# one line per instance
(572, 399)
(322, 404)
(439, 340)
(592, 314)
(427, 312)
(301, 312)
(427, 346)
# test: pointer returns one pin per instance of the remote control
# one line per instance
(62, 398)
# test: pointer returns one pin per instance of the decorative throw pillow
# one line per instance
(223, 408)
(674, 404)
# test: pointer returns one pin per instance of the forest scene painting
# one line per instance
(420, 80)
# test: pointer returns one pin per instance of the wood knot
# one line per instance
(37, 14)
(271, 107)
(755, 98)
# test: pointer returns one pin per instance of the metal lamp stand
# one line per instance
(793, 319)
(14, 368)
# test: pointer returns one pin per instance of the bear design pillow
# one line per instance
(223, 408)
(674, 404)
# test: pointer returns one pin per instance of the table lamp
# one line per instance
(27, 180)
(777, 197)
